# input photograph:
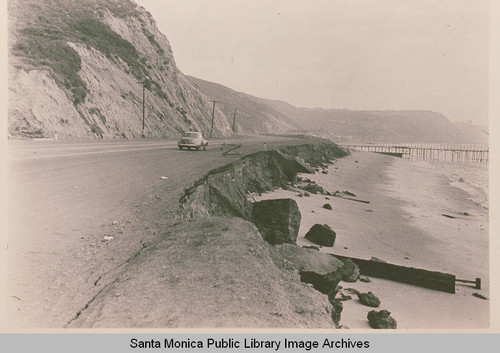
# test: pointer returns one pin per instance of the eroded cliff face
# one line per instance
(75, 69)
(225, 191)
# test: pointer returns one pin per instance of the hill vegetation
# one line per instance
(78, 69)
(43, 42)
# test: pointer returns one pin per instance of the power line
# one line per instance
(234, 121)
(143, 104)
(213, 117)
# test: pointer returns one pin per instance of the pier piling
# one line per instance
(453, 153)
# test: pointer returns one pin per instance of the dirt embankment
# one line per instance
(212, 269)
(225, 190)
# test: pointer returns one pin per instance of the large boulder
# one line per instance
(369, 299)
(304, 259)
(381, 319)
(326, 284)
(277, 220)
(350, 272)
(321, 235)
(323, 271)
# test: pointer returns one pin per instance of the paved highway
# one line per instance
(65, 197)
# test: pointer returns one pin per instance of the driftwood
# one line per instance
(351, 199)
(444, 282)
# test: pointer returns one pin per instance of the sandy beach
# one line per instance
(404, 224)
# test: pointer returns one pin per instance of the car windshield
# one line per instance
(192, 134)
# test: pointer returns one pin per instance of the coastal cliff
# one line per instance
(77, 69)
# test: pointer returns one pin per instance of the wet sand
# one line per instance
(403, 224)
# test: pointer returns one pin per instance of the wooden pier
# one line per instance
(443, 152)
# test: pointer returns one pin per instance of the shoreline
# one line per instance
(182, 251)
(403, 224)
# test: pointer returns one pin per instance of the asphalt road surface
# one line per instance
(65, 201)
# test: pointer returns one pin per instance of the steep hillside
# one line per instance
(76, 69)
(372, 125)
(251, 115)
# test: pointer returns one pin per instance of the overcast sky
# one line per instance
(357, 54)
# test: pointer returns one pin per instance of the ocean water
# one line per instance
(465, 171)
(472, 178)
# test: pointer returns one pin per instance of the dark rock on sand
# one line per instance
(381, 319)
(344, 297)
(369, 299)
(313, 188)
(311, 247)
(352, 290)
(326, 284)
(337, 307)
(321, 235)
(311, 260)
(365, 279)
(321, 270)
(327, 206)
(349, 193)
(477, 295)
(277, 220)
(350, 272)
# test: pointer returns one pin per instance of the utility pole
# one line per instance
(143, 104)
(234, 121)
(213, 117)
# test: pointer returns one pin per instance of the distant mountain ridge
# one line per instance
(340, 125)
(409, 126)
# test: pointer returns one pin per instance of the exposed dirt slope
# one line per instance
(76, 69)
(213, 273)
(216, 270)
(224, 191)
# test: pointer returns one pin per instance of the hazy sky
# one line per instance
(357, 54)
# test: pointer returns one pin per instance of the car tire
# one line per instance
(180, 147)
(204, 147)
(197, 148)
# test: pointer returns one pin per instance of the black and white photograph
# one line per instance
(248, 164)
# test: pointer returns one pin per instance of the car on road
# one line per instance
(192, 139)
